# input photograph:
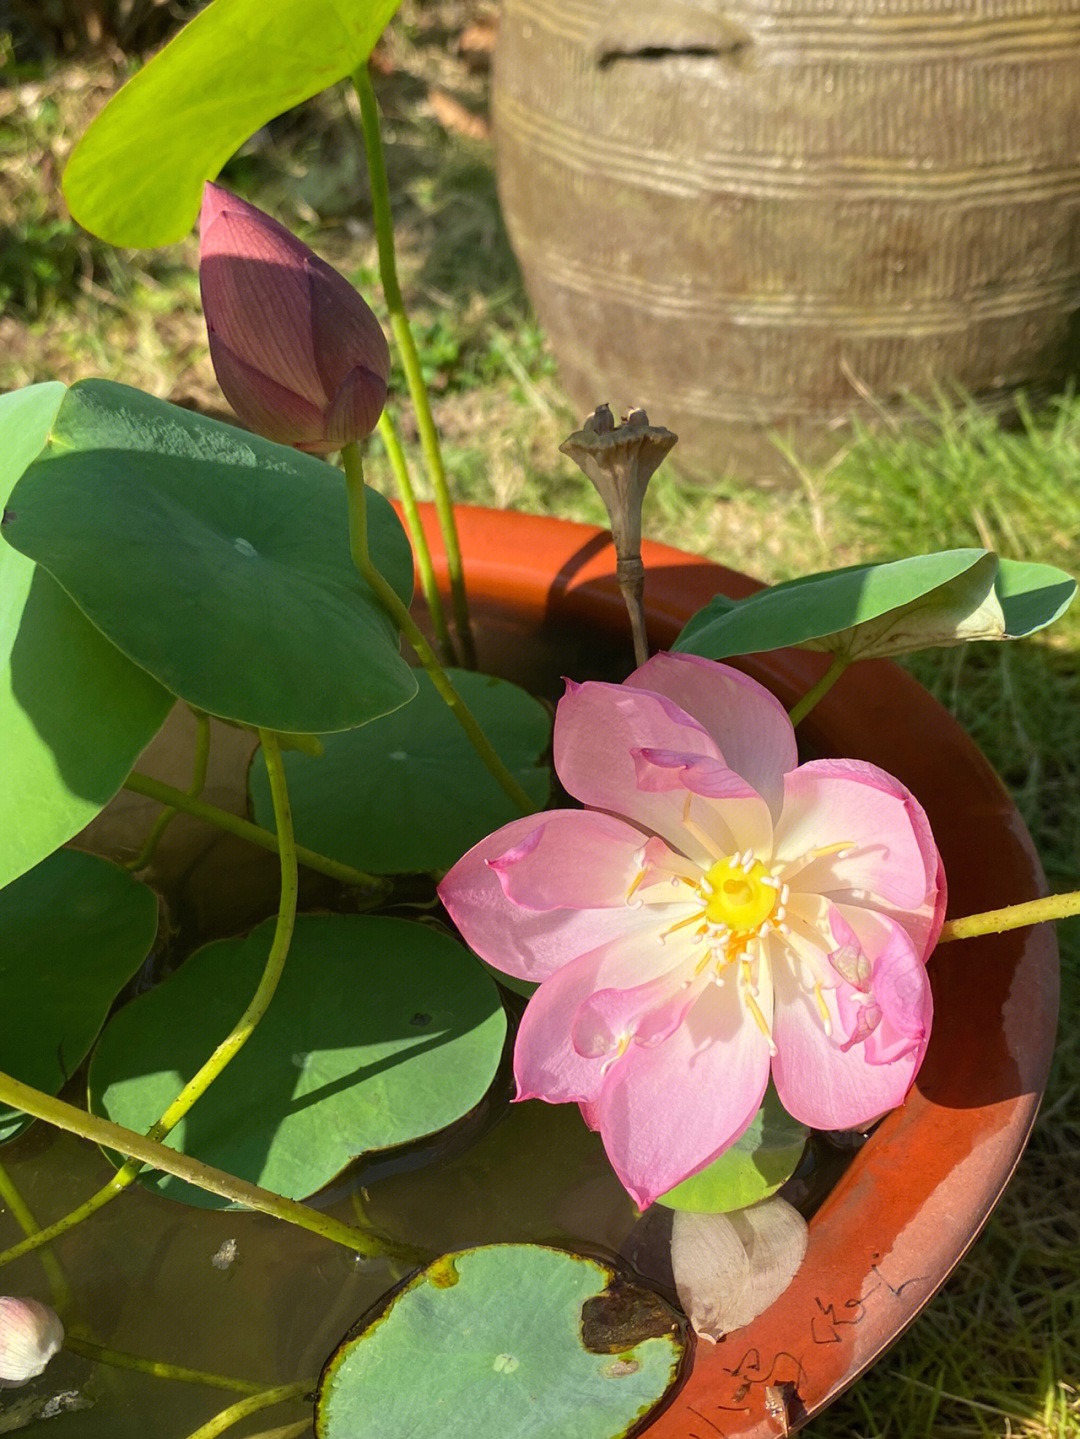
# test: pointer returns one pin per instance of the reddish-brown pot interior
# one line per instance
(546, 604)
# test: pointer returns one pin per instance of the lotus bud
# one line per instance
(620, 461)
(297, 353)
(730, 1267)
(30, 1334)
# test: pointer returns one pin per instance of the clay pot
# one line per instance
(917, 1194)
(546, 605)
(773, 215)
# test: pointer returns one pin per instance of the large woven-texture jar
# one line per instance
(766, 216)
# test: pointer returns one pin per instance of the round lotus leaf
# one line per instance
(514, 1340)
(381, 1031)
(407, 792)
(74, 713)
(216, 561)
(762, 1159)
(74, 929)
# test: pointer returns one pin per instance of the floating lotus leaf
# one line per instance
(494, 1341)
(381, 1031)
(75, 929)
(407, 792)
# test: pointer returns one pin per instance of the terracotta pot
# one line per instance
(546, 605)
(915, 1197)
(773, 215)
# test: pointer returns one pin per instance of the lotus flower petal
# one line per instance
(758, 738)
(533, 942)
(827, 801)
(838, 1076)
(597, 728)
(666, 1112)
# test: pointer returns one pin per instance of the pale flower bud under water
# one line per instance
(30, 1334)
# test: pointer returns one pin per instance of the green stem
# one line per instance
(243, 1029)
(194, 789)
(243, 1407)
(146, 1149)
(203, 1176)
(63, 1300)
(396, 455)
(410, 360)
(285, 1431)
(245, 1026)
(1013, 916)
(118, 1360)
(802, 708)
(145, 784)
(384, 593)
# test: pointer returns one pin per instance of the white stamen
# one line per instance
(785, 894)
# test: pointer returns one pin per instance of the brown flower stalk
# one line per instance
(620, 461)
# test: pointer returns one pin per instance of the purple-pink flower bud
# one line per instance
(297, 352)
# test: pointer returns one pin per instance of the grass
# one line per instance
(997, 1353)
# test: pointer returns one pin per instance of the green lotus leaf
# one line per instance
(381, 1031)
(216, 561)
(858, 612)
(755, 1166)
(407, 792)
(1032, 596)
(868, 611)
(493, 1341)
(75, 929)
(136, 176)
(74, 713)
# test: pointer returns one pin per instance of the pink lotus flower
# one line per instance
(297, 352)
(744, 914)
